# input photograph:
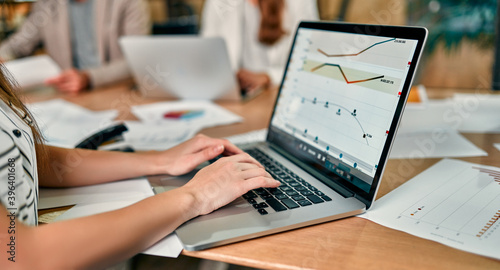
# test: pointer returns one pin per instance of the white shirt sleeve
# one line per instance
(236, 22)
(223, 18)
(297, 11)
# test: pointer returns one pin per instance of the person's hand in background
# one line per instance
(70, 81)
(251, 81)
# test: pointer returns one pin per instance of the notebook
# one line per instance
(336, 115)
(184, 67)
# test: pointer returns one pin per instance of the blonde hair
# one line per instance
(8, 95)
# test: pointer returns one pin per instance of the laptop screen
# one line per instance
(340, 95)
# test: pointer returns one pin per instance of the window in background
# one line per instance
(181, 18)
(460, 48)
(12, 15)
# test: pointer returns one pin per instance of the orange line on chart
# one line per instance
(343, 74)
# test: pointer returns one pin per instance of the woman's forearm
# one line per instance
(100, 240)
(79, 167)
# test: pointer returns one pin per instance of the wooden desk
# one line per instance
(351, 243)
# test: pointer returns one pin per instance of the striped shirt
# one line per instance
(18, 171)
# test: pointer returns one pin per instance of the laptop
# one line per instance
(336, 115)
(183, 67)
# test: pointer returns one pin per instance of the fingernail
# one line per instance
(277, 182)
(219, 148)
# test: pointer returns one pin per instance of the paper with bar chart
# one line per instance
(347, 81)
(454, 202)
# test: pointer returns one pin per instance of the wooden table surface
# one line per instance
(351, 243)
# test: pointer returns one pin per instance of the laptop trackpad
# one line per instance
(232, 221)
(238, 206)
(163, 183)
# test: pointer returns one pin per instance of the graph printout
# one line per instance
(340, 94)
(454, 202)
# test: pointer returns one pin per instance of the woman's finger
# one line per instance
(254, 172)
(243, 158)
(206, 154)
(203, 142)
(243, 166)
(260, 181)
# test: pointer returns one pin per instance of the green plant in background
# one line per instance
(452, 21)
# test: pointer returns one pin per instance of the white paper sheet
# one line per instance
(453, 202)
(88, 209)
(497, 146)
(431, 144)
(32, 71)
(66, 124)
(213, 115)
(478, 96)
(114, 191)
(146, 136)
(170, 246)
(468, 114)
(481, 112)
(437, 114)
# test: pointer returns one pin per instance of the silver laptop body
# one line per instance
(185, 67)
(336, 115)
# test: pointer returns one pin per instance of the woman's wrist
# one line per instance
(188, 202)
(155, 162)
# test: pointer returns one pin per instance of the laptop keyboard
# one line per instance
(294, 192)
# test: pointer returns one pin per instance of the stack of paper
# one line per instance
(32, 71)
(65, 124)
(91, 200)
(108, 192)
(166, 124)
(149, 136)
(195, 115)
(467, 113)
(435, 143)
(474, 113)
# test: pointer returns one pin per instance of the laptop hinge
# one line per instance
(345, 192)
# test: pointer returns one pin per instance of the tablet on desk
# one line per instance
(185, 67)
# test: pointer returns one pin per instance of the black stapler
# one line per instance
(107, 139)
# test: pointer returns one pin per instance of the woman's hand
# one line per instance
(225, 180)
(184, 157)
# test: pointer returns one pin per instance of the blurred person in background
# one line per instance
(81, 36)
(258, 34)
